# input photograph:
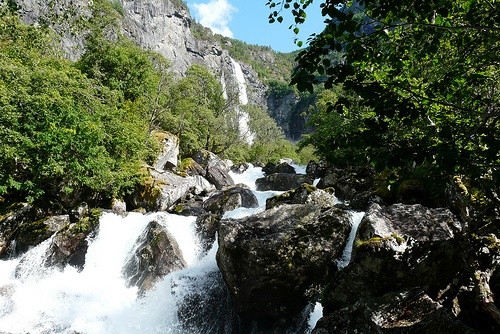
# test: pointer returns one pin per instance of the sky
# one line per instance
(247, 20)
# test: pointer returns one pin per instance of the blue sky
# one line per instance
(247, 20)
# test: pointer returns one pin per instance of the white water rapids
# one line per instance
(96, 300)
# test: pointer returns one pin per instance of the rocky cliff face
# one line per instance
(159, 25)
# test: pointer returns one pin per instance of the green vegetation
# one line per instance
(417, 90)
(74, 132)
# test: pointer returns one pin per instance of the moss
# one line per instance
(87, 223)
(179, 208)
(309, 187)
(185, 165)
(378, 242)
(33, 232)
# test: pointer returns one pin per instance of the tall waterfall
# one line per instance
(243, 117)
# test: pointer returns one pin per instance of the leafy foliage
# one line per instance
(63, 135)
(420, 85)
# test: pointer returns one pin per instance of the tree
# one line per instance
(64, 137)
(421, 79)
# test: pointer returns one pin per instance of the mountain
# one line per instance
(166, 26)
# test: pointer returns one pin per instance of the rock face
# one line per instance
(215, 170)
(22, 226)
(230, 199)
(399, 248)
(407, 311)
(169, 152)
(270, 260)
(282, 182)
(302, 195)
(157, 254)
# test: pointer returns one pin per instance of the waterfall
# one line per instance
(37, 299)
(356, 218)
(243, 117)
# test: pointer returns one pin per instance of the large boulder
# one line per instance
(284, 168)
(270, 260)
(398, 247)
(354, 185)
(23, 226)
(403, 312)
(169, 151)
(282, 181)
(216, 171)
(306, 193)
(164, 189)
(230, 199)
(70, 244)
(156, 255)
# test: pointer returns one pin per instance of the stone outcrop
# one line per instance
(22, 226)
(156, 255)
(306, 193)
(270, 260)
(398, 247)
(403, 312)
(214, 169)
(230, 199)
(282, 182)
(164, 189)
(169, 151)
(70, 244)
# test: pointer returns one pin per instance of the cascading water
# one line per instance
(243, 117)
(37, 299)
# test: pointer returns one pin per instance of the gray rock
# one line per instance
(215, 169)
(399, 247)
(23, 226)
(156, 255)
(282, 182)
(403, 312)
(306, 193)
(270, 260)
(271, 168)
(166, 189)
(230, 199)
(169, 151)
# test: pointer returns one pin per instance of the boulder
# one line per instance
(398, 247)
(240, 168)
(207, 225)
(164, 189)
(283, 167)
(169, 151)
(230, 199)
(306, 193)
(23, 226)
(317, 169)
(408, 311)
(156, 255)
(282, 182)
(70, 244)
(190, 204)
(215, 169)
(353, 185)
(270, 260)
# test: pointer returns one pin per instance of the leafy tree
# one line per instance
(420, 79)
(203, 118)
(64, 136)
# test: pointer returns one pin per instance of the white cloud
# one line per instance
(216, 15)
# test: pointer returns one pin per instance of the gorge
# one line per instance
(150, 181)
